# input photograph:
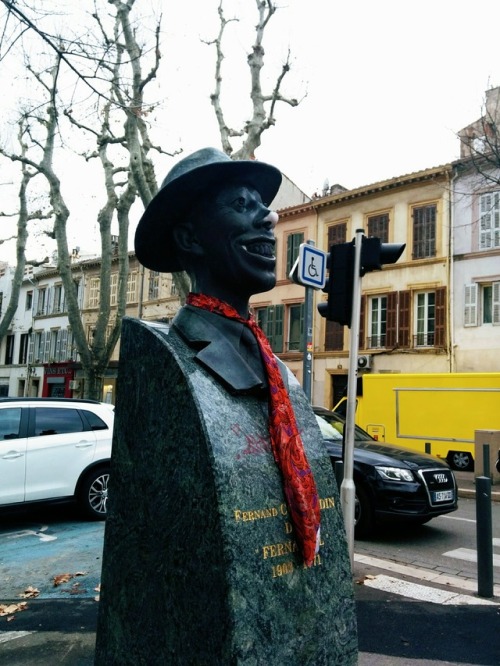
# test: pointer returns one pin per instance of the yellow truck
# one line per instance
(434, 413)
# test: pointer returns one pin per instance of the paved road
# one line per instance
(406, 610)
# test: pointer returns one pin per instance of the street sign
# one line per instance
(312, 266)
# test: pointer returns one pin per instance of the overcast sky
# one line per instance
(384, 85)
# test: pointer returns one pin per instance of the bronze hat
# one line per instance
(184, 184)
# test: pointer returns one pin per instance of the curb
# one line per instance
(471, 494)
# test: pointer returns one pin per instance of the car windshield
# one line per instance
(332, 427)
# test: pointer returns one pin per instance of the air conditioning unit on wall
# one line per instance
(364, 362)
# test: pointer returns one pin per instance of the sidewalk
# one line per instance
(467, 486)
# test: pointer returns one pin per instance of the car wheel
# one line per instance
(364, 519)
(93, 495)
(460, 460)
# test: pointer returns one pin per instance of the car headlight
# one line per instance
(395, 474)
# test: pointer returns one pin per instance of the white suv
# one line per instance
(55, 449)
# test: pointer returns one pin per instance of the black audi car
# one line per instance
(392, 483)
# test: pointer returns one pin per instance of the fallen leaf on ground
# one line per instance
(62, 578)
(360, 581)
(8, 609)
(30, 592)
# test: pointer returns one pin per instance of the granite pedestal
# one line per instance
(200, 564)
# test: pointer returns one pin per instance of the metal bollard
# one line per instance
(484, 538)
(486, 460)
(339, 472)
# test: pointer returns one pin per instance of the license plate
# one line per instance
(443, 495)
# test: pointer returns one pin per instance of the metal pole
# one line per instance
(486, 460)
(484, 537)
(347, 490)
(308, 340)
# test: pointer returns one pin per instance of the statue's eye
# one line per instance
(239, 204)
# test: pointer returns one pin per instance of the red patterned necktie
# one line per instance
(287, 447)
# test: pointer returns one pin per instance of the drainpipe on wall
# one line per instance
(450, 313)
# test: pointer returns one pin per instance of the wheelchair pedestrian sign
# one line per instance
(312, 266)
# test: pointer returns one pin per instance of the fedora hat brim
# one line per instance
(154, 242)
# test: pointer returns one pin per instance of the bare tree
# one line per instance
(126, 166)
(109, 66)
(480, 142)
(263, 105)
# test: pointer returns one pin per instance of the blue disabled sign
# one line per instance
(312, 266)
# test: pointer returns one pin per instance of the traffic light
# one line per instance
(340, 263)
(374, 254)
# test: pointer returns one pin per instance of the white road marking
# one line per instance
(7, 636)
(423, 592)
(470, 555)
(40, 534)
(465, 520)
(467, 585)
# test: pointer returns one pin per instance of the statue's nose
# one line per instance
(271, 219)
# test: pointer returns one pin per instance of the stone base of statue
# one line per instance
(200, 565)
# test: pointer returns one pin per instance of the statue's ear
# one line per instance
(186, 240)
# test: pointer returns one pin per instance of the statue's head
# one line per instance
(187, 193)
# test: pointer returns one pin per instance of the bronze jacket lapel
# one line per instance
(217, 354)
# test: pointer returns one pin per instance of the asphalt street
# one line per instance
(407, 615)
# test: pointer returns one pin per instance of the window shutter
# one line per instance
(31, 348)
(46, 354)
(440, 321)
(391, 334)
(403, 330)
(362, 320)
(302, 325)
(278, 328)
(334, 336)
(470, 305)
(496, 304)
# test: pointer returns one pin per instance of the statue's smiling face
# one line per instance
(236, 243)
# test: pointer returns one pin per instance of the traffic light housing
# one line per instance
(374, 254)
(340, 263)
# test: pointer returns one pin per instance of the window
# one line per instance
(56, 421)
(270, 320)
(42, 301)
(489, 220)
(58, 305)
(482, 304)
(424, 232)
(29, 300)
(378, 226)
(94, 421)
(55, 345)
(39, 347)
(337, 233)
(9, 350)
(113, 289)
(23, 348)
(296, 327)
(173, 289)
(154, 285)
(94, 290)
(10, 423)
(293, 243)
(132, 288)
(425, 318)
(377, 321)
